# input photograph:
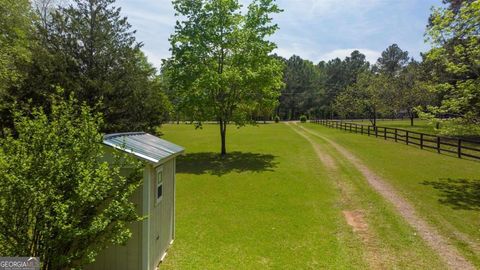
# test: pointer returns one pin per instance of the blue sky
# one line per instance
(313, 29)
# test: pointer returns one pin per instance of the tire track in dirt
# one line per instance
(354, 218)
(429, 234)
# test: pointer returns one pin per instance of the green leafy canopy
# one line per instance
(221, 67)
(454, 33)
(60, 200)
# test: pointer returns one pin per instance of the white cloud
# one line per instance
(154, 58)
(311, 8)
(370, 55)
(304, 50)
(313, 29)
(152, 18)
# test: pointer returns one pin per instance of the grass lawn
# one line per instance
(272, 204)
(267, 206)
(418, 125)
(445, 190)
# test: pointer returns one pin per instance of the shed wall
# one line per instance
(162, 214)
(127, 257)
(152, 237)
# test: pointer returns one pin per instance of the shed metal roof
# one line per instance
(143, 145)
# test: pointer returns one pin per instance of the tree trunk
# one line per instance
(223, 134)
(412, 115)
(374, 122)
(2, 128)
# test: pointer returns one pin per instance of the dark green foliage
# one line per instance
(411, 93)
(392, 61)
(277, 119)
(59, 201)
(311, 89)
(303, 88)
(303, 119)
(367, 98)
(341, 74)
(89, 49)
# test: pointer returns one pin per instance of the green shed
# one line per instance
(155, 199)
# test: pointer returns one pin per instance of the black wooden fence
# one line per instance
(457, 146)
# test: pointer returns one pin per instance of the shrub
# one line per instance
(277, 119)
(72, 204)
(303, 119)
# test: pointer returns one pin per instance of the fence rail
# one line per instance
(458, 146)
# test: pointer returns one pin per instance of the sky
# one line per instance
(312, 29)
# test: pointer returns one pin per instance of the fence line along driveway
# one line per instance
(458, 146)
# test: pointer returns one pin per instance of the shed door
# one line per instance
(162, 218)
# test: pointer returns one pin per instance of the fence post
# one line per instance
(459, 148)
(438, 145)
(350, 127)
(376, 131)
(406, 139)
(396, 134)
(368, 130)
(421, 141)
(385, 133)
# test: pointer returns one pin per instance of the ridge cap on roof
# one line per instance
(121, 134)
(143, 145)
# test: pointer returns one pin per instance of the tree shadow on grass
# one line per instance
(461, 194)
(213, 163)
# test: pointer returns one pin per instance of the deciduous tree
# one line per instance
(454, 34)
(16, 22)
(367, 97)
(59, 201)
(411, 92)
(221, 65)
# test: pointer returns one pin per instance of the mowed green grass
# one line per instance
(270, 206)
(273, 205)
(445, 190)
(418, 125)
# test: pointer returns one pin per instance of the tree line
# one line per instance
(443, 86)
(353, 88)
(70, 72)
(86, 48)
